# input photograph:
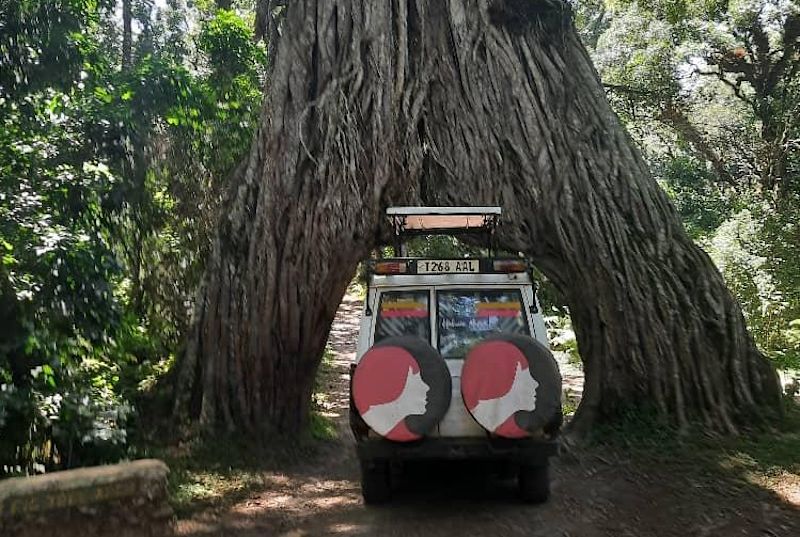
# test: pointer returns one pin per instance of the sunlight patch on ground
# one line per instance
(278, 480)
(788, 488)
(784, 484)
(780, 481)
(212, 485)
(302, 499)
(336, 501)
(294, 533)
(345, 528)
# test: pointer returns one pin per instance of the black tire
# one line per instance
(357, 426)
(534, 483)
(552, 429)
(376, 485)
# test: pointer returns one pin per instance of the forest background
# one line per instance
(123, 121)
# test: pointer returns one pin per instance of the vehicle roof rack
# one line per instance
(442, 220)
(455, 221)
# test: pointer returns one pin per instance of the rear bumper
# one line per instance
(527, 451)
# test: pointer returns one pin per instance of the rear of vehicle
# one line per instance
(452, 363)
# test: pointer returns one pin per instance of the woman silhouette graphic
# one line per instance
(387, 388)
(496, 384)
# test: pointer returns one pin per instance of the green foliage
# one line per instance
(762, 458)
(322, 427)
(676, 11)
(569, 404)
(228, 43)
(43, 43)
(591, 20)
(562, 336)
(642, 428)
(58, 262)
(752, 251)
(702, 89)
(756, 456)
(441, 246)
(109, 181)
(223, 471)
(638, 53)
(701, 203)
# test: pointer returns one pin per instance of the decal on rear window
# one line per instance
(466, 317)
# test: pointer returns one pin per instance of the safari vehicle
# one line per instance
(452, 359)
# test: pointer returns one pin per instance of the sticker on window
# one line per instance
(403, 308)
(497, 309)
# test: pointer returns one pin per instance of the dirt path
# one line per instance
(596, 493)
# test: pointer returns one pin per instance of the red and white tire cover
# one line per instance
(401, 388)
(512, 386)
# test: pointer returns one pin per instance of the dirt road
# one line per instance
(602, 492)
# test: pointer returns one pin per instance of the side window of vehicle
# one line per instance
(404, 313)
(465, 317)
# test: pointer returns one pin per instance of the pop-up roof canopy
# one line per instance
(438, 220)
(455, 221)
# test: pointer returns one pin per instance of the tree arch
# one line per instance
(457, 102)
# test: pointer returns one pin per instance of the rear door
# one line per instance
(463, 317)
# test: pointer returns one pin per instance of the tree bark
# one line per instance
(267, 28)
(127, 34)
(463, 102)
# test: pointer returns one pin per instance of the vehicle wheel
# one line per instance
(534, 483)
(492, 368)
(375, 482)
(357, 426)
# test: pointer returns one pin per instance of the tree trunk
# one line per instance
(127, 34)
(467, 102)
(266, 28)
(13, 333)
(302, 215)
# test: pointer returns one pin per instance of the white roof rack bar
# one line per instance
(454, 211)
(445, 220)
(456, 221)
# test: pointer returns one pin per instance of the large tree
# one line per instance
(463, 102)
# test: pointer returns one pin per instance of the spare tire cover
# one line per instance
(511, 385)
(402, 388)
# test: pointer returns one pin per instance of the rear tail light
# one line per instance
(510, 265)
(391, 267)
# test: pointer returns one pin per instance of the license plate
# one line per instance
(439, 266)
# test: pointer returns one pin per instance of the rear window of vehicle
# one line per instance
(404, 313)
(466, 317)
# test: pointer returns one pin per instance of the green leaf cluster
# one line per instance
(710, 90)
(110, 179)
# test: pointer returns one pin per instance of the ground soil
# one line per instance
(600, 491)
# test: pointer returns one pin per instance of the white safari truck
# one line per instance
(453, 360)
